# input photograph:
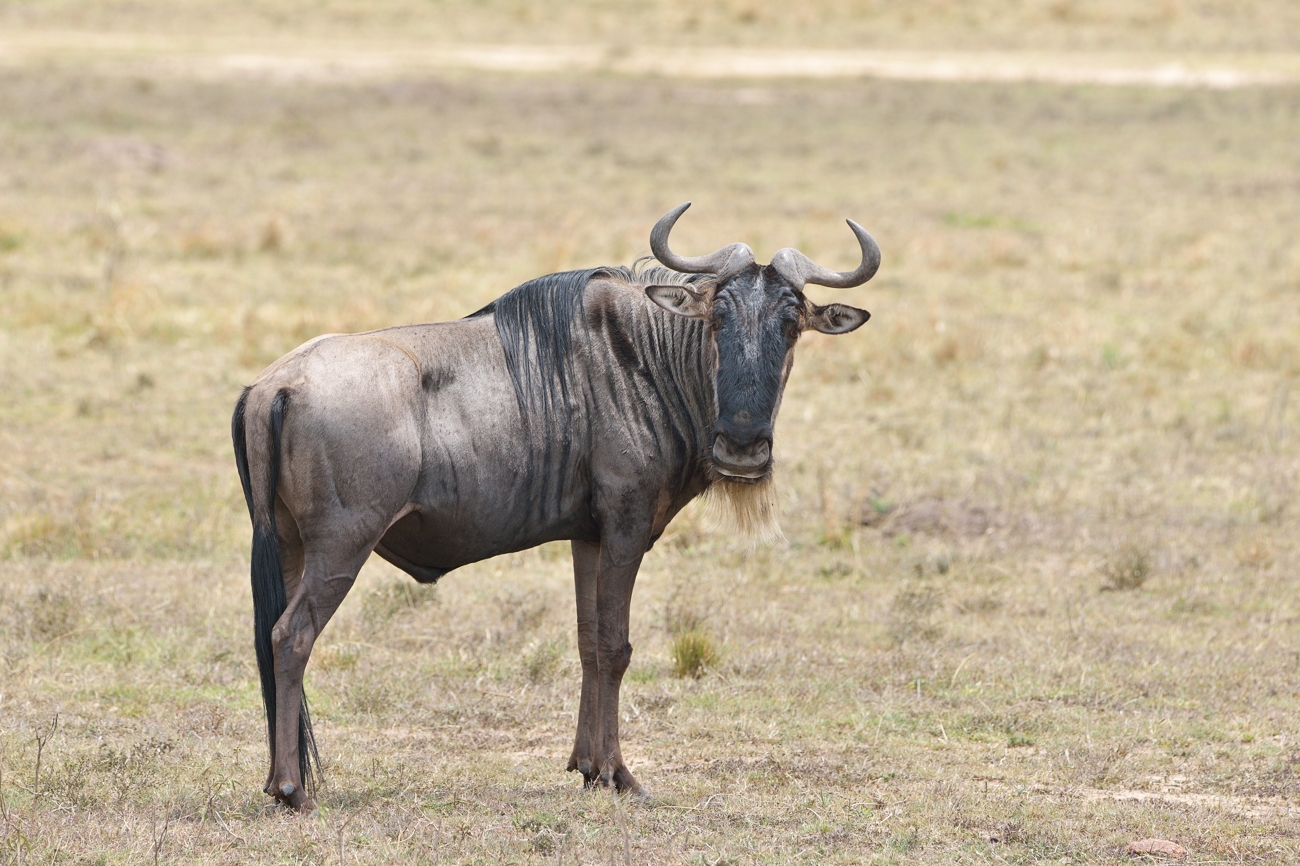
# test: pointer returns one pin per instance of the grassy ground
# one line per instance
(1039, 593)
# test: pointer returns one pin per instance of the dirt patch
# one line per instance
(1250, 807)
(305, 61)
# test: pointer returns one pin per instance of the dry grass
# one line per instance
(691, 647)
(1128, 568)
(1084, 338)
(1039, 25)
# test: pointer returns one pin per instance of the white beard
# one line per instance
(752, 510)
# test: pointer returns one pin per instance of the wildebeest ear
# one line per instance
(837, 318)
(682, 300)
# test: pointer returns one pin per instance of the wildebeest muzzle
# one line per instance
(749, 459)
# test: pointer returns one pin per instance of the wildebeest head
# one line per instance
(755, 315)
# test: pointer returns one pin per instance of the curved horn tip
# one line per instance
(865, 236)
(858, 229)
(668, 220)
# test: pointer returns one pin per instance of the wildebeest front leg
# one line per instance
(604, 594)
(613, 655)
(586, 563)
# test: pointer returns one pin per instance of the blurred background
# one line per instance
(1041, 560)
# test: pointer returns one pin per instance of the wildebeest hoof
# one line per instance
(624, 782)
(292, 796)
(590, 773)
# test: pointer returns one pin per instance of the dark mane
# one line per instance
(535, 324)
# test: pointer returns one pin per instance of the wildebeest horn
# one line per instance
(724, 262)
(799, 269)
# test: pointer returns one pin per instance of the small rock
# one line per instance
(1156, 848)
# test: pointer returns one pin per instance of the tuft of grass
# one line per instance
(1127, 569)
(690, 641)
(693, 653)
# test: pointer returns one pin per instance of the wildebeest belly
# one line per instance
(427, 544)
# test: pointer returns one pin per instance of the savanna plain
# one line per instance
(1038, 594)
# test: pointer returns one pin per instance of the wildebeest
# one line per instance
(587, 406)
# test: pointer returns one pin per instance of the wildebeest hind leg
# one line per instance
(328, 574)
(586, 561)
(291, 564)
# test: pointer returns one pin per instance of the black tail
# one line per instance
(269, 601)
